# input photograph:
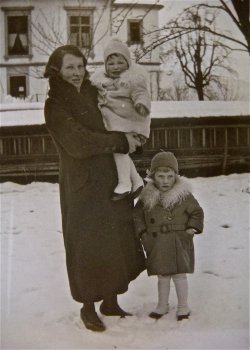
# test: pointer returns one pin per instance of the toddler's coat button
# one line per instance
(164, 229)
(152, 220)
(123, 105)
(154, 234)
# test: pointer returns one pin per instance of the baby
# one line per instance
(125, 105)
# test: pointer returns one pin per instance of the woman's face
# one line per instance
(115, 65)
(164, 179)
(73, 70)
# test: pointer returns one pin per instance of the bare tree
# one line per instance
(177, 29)
(176, 92)
(199, 54)
(222, 89)
(241, 19)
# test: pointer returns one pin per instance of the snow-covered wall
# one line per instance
(32, 113)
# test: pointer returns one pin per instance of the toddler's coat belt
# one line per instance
(166, 228)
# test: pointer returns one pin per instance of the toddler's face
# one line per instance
(115, 65)
(164, 179)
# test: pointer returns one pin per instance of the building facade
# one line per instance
(32, 29)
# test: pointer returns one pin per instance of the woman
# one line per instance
(102, 254)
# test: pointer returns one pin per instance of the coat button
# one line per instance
(123, 105)
(164, 229)
(170, 218)
(154, 234)
(152, 220)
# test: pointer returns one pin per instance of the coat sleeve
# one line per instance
(139, 92)
(139, 219)
(196, 215)
(80, 142)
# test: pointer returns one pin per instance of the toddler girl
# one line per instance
(166, 218)
(125, 105)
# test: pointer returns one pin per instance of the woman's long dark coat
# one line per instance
(102, 253)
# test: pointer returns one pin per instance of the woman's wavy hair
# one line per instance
(54, 64)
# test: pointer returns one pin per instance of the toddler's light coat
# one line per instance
(164, 217)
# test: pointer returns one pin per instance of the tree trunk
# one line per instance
(200, 93)
(199, 84)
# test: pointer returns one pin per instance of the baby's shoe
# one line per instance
(137, 188)
(119, 196)
(120, 192)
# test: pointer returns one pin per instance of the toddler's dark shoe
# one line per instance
(155, 315)
(91, 320)
(183, 317)
(114, 311)
(119, 196)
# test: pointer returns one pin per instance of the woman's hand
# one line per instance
(133, 141)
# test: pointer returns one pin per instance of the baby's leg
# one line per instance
(123, 170)
(136, 179)
(181, 286)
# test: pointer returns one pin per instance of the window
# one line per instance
(17, 81)
(134, 32)
(80, 24)
(80, 34)
(17, 28)
(18, 35)
(18, 86)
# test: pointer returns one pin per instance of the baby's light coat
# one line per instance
(118, 97)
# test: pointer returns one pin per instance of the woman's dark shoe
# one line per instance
(113, 311)
(119, 196)
(91, 319)
(183, 317)
(155, 315)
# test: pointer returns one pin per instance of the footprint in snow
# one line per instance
(225, 226)
(211, 273)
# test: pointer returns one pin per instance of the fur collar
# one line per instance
(151, 196)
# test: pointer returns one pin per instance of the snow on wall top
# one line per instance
(180, 109)
(33, 114)
(140, 2)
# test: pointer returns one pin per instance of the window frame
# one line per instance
(81, 12)
(14, 12)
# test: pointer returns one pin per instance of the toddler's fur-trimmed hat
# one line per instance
(164, 159)
(117, 46)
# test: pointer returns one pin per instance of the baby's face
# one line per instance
(115, 65)
(164, 179)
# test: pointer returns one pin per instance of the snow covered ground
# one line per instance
(39, 313)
